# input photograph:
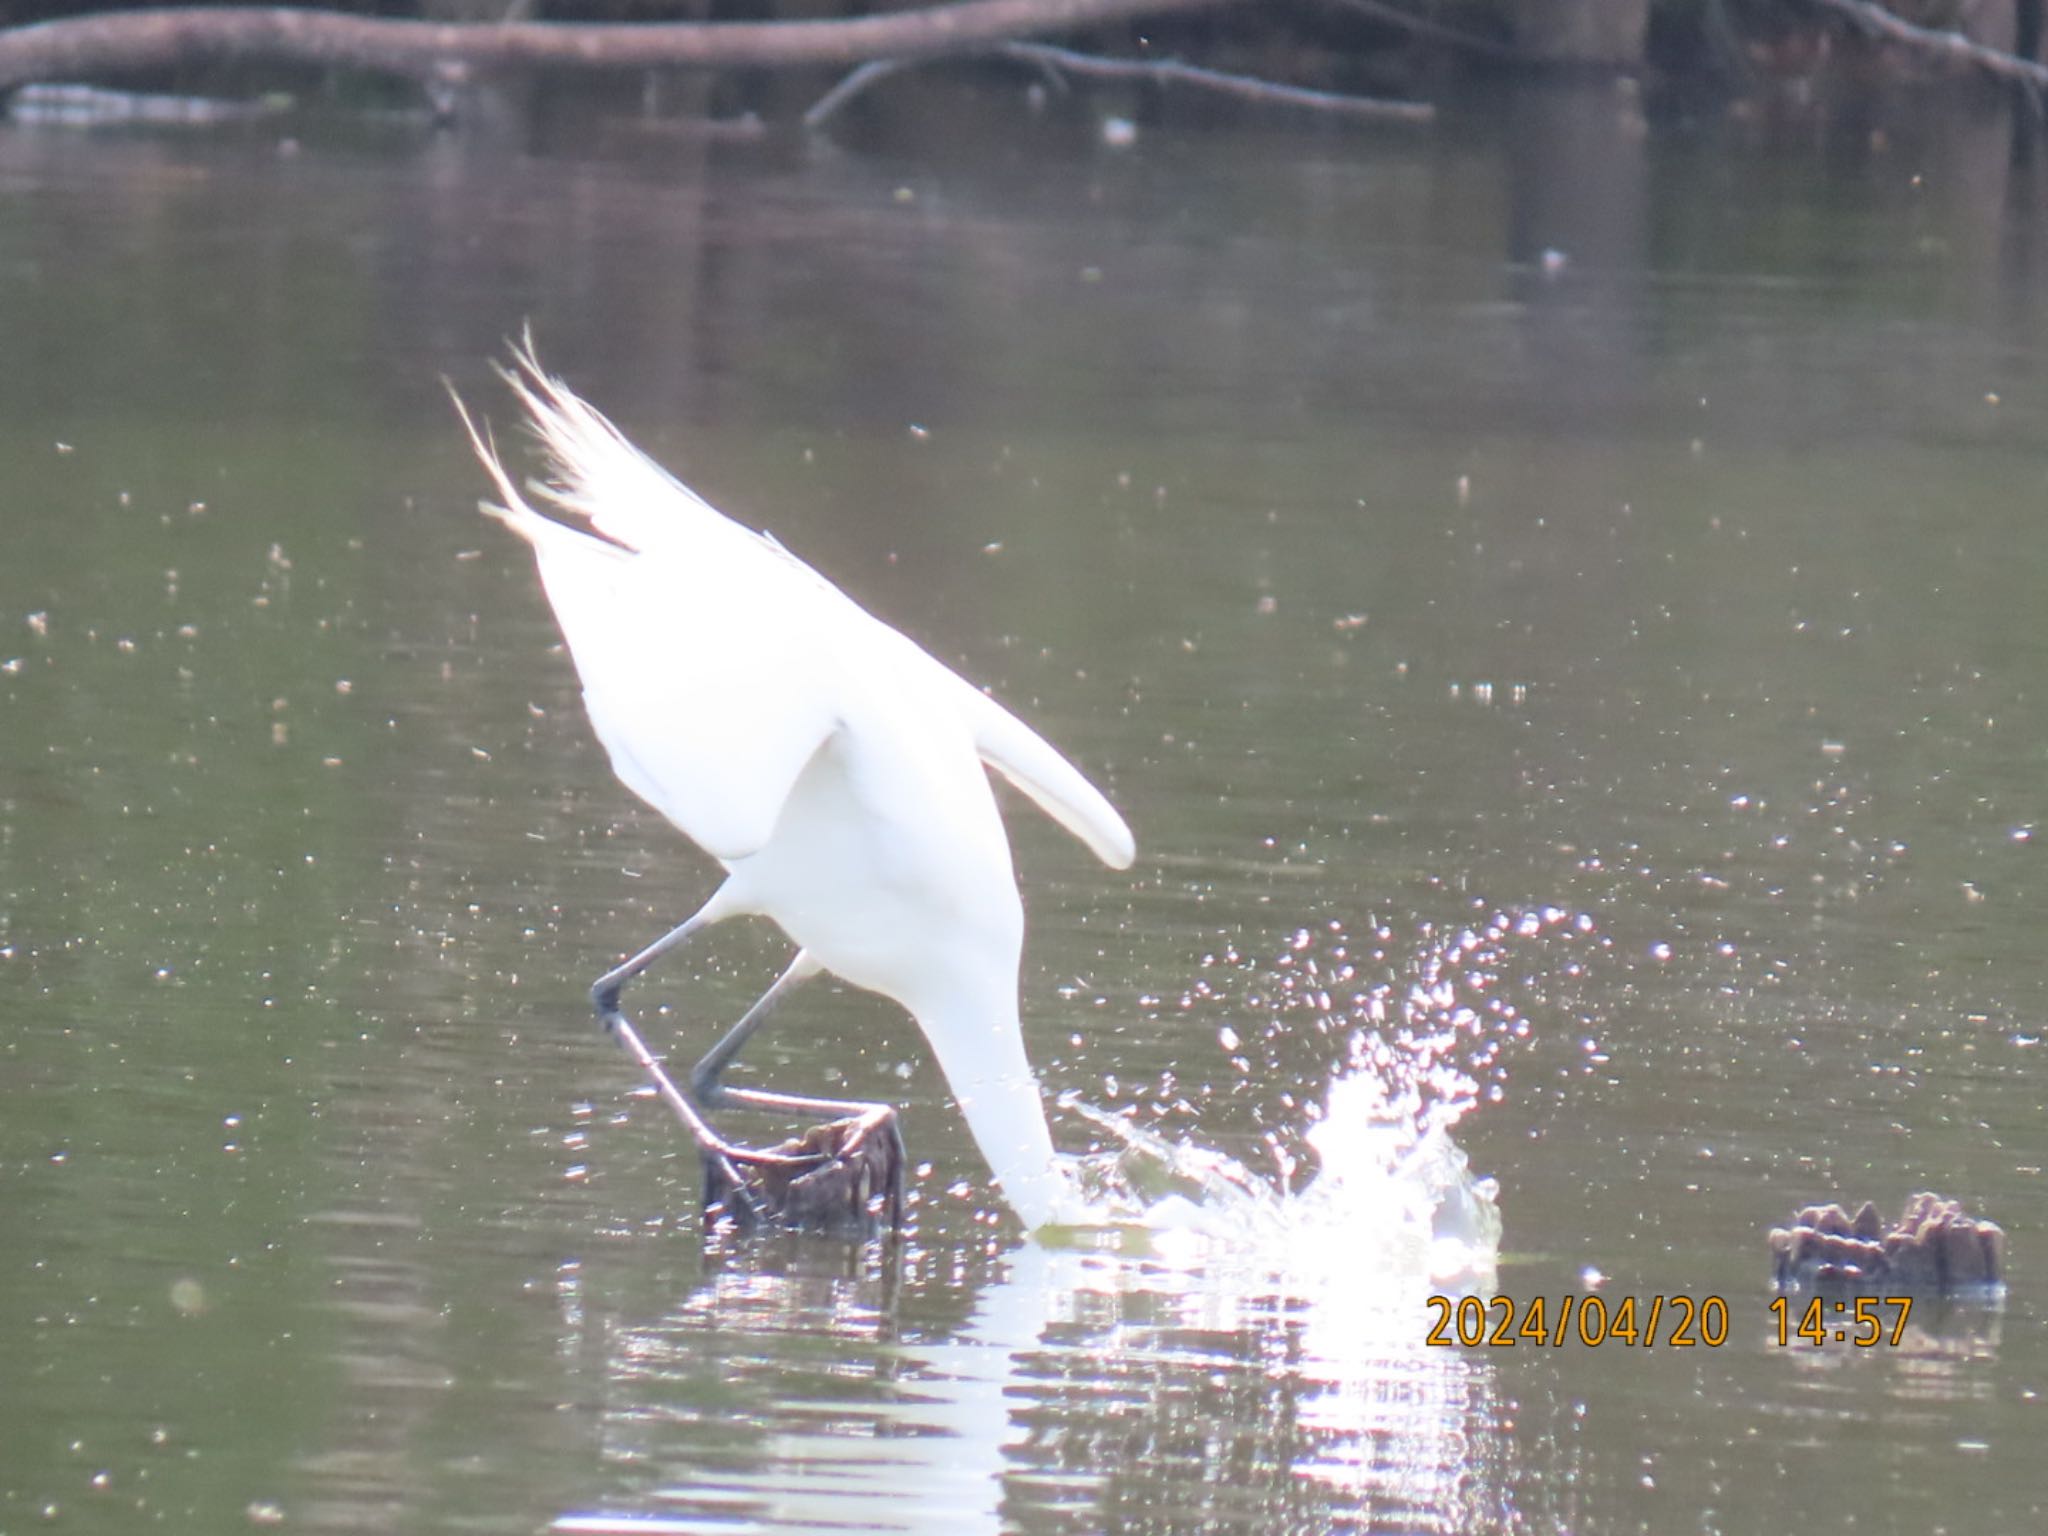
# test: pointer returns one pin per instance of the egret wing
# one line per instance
(1058, 788)
(698, 641)
(708, 697)
(706, 649)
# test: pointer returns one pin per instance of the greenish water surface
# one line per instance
(1389, 575)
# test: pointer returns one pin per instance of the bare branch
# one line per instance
(874, 72)
(1421, 26)
(1243, 87)
(1951, 47)
(87, 46)
(1054, 61)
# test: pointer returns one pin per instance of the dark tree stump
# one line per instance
(855, 1189)
(1935, 1246)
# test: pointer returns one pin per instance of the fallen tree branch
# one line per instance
(874, 72)
(1950, 47)
(87, 46)
(1388, 14)
(854, 83)
(1159, 71)
(1243, 87)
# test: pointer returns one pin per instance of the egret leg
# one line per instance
(604, 992)
(722, 1158)
(704, 1077)
(710, 1092)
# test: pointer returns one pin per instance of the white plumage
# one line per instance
(831, 765)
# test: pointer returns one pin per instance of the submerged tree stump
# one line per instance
(1935, 1247)
(855, 1188)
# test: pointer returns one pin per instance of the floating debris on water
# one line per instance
(58, 105)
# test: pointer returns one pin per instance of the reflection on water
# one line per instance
(1082, 1388)
(1388, 574)
(1940, 1357)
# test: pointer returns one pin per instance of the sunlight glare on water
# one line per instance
(1393, 1205)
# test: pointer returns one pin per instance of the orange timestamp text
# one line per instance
(1857, 1320)
(1675, 1322)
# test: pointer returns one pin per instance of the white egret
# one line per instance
(834, 767)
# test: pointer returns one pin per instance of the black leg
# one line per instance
(864, 1121)
(722, 1159)
(604, 992)
(704, 1077)
(831, 1170)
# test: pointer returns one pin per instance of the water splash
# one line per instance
(1420, 1046)
(1391, 1198)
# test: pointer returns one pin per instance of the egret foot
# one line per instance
(844, 1176)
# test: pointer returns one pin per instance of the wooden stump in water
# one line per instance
(1935, 1247)
(855, 1186)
